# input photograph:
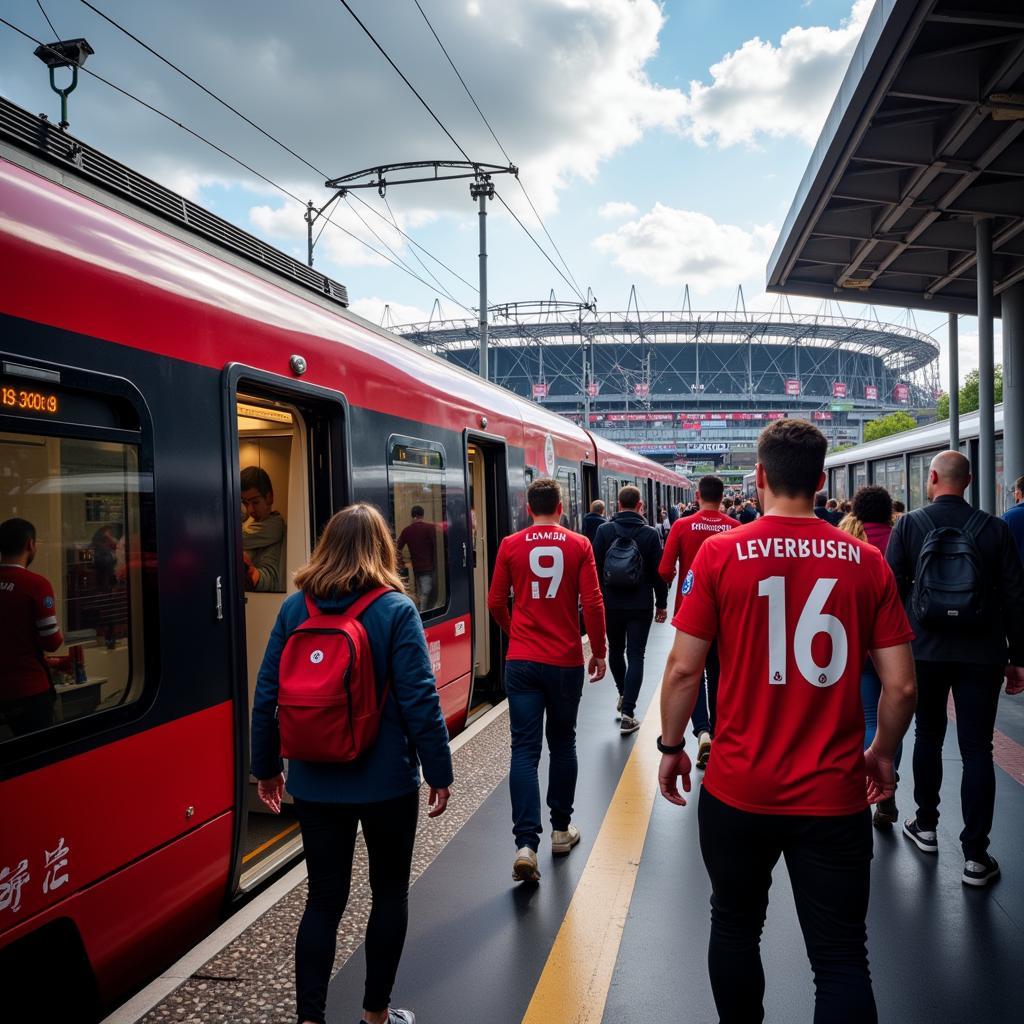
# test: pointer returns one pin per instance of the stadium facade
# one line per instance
(695, 388)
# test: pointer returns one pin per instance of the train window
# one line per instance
(419, 518)
(860, 476)
(71, 622)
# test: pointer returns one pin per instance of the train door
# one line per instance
(591, 485)
(652, 509)
(287, 479)
(487, 503)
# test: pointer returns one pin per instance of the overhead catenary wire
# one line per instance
(39, 4)
(504, 152)
(267, 134)
(213, 145)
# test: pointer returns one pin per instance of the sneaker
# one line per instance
(562, 841)
(524, 869)
(924, 839)
(886, 814)
(703, 750)
(980, 872)
(399, 1017)
(618, 707)
(628, 724)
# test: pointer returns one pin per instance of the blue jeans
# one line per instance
(703, 717)
(870, 691)
(534, 689)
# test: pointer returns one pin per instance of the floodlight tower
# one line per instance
(65, 53)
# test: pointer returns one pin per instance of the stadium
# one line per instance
(694, 388)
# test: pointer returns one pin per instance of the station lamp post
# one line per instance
(65, 53)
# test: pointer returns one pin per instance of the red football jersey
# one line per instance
(28, 627)
(684, 541)
(795, 605)
(549, 570)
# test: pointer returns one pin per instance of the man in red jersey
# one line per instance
(795, 607)
(684, 541)
(549, 571)
(28, 628)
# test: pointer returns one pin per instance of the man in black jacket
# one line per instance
(627, 552)
(970, 661)
(594, 519)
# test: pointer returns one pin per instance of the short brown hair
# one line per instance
(1018, 484)
(544, 496)
(253, 478)
(711, 488)
(629, 497)
(792, 454)
(355, 552)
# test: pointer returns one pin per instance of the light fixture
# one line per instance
(65, 53)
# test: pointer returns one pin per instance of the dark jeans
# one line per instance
(28, 714)
(870, 694)
(329, 838)
(703, 717)
(627, 644)
(976, 698)
(829, 864)
(535, 690)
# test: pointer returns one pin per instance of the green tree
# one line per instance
(969, 393)
(894, 423)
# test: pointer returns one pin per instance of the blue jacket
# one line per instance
(1014, 518)
(412, 727)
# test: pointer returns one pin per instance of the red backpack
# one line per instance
(329, 705)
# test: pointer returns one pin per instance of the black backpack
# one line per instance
(623, 564)
(949, 584)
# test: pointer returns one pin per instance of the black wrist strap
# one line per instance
(674, 749)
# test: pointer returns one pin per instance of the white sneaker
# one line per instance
(618, 707)
(703, 750)
(524, 868)
(563, 841)
(628, 724)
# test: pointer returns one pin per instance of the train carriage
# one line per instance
(145, 364)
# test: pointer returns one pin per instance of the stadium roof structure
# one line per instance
(903, 349)
(925, 138)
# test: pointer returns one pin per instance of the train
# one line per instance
(900, 462)
(150, 354)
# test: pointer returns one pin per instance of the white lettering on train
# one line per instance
(803, 547)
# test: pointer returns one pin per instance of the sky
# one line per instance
(661, 144)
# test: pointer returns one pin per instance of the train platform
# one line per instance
(618, 930)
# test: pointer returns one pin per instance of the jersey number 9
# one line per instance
(551, 571)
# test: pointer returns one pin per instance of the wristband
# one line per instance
(674, 749)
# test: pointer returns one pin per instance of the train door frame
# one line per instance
(652, 512)
(494, 450)
(591, 484)
(331, 490)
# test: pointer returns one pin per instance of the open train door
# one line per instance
(591, 485)
(487, 506)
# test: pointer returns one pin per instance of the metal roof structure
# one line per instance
(924, 138)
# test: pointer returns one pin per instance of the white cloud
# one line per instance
(779, 91)
(389, 314)
(616, 211)
(676, 247)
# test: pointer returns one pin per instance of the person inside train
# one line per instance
(28, 631)
(628, 552)
(871, 521)
(379, 790)
(790, 777)
(593, 519)
(1014, 516)
(549, 571)
(973, 558)
(263, 533)
(419, 538)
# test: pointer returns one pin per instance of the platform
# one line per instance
(618, 930)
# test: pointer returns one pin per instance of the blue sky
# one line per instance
(662, 142)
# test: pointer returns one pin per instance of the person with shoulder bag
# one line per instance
(346, 692)
(961, 579)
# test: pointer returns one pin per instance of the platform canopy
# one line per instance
(925, 136)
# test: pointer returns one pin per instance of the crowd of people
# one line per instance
(809, 634)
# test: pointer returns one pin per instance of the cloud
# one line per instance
(675, 247)
(778, 91)
(616, 211)
(388, 314)
(562, 82)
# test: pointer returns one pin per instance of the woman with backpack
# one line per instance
(357, 768)
(870, 520)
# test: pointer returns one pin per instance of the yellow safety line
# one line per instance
(574, 984)
(269, 843)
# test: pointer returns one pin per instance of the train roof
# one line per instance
(930, 436)
(32, 144)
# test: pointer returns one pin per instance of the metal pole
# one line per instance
(1013, 387)
(483, 284)
(954, 382)
(309, 232)
(986, 371)
(586, 385)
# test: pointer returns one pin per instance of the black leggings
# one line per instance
(329, 838)
(829, 862)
